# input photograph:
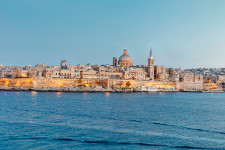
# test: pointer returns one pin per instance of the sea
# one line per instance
(57, 120)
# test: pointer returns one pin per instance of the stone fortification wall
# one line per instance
(209, 86)
(57, 82)
(17, 82)
(45, 82)
(197, 86)
(189, 86)
(135, 84)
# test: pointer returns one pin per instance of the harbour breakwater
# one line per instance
(105, 85)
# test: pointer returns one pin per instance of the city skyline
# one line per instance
(186, 34)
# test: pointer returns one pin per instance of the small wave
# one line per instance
(101, 142)
(64, 139)
(188, 128)
(135, 120)
(147, 144)
(123, 143)
(37, 138)
(190, 147)
(26, 138)
(105, 142)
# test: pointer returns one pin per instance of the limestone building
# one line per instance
(160, 73)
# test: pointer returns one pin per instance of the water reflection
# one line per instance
(34, 93)
(58, 94)
(85, 95)
(18, 93)
(107, 94)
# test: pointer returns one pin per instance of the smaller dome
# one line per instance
(125, 59)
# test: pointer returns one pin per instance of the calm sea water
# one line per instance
(112, 120)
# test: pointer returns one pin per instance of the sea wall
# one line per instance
(209, 86)
(135, 84)
(189, 86)
(46, 82)
(17, 82)
(60, 82)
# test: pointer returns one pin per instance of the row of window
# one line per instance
(123, 64)
(110, 75)
(62, 74)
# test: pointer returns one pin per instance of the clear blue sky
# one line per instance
(182, 33)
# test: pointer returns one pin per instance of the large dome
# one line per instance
(125, 59)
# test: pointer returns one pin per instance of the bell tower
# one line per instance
(114, 61)
(151, 66)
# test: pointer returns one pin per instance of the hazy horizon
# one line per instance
(186, 34)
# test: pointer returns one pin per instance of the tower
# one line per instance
(114, 61)
(151, 66)
(63, 64)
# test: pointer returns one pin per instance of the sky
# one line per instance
(182, 33)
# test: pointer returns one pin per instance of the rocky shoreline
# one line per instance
(99, 89)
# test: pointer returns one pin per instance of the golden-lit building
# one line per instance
(20, 73)
(125, 59)
(134, 73)
(160, 73)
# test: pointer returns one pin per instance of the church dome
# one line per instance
(125, 59)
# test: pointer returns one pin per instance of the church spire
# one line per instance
(151, 73)
(150, 57)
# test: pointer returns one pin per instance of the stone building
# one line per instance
(134, 73)
(173, 75)
(198, 78)
(107, 72)
(88, 74)
(190, 77)
(160, 73)
(110, 75)
(20, 73)
(214, 79)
